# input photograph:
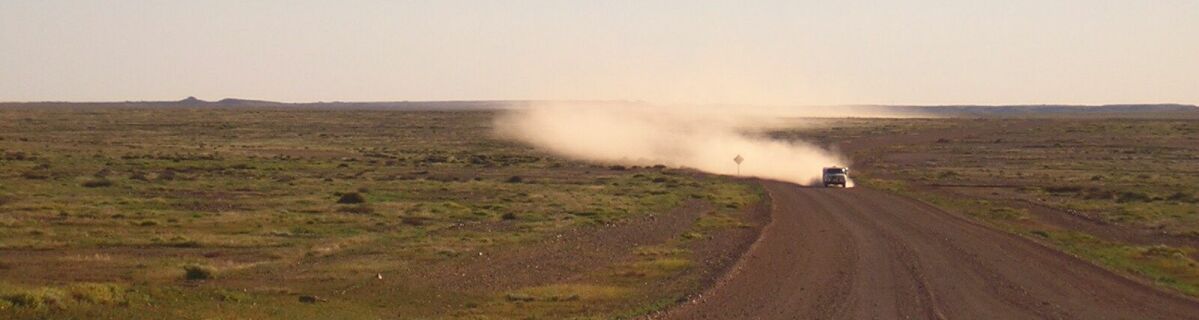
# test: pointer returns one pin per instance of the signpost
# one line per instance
(738, 160)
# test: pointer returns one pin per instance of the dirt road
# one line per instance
(866, 254)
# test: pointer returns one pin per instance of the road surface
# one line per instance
(865, 254)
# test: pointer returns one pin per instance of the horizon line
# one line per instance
(232, 100)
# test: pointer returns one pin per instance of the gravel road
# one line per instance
(866, 254)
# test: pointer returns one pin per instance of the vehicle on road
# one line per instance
(836, 176)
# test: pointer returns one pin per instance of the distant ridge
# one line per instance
(1112, 110)
(193, 102)
(1016, 109)
(1036, 110)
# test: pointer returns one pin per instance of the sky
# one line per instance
(791, 52)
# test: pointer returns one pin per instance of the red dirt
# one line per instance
(568, 254)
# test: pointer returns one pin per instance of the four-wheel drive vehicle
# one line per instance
(836, 176)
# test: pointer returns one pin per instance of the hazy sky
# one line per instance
(770, 52)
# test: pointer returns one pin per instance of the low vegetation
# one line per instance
(262, 213)
(198, 272)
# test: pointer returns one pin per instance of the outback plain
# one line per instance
(201, 213)
(187, 211)
(648, 160)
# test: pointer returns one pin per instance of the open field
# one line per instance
(271, 213)
(266, 212)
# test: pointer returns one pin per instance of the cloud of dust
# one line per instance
(703, 138)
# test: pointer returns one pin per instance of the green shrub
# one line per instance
(351, 198)
(1163, 251)
(1099, 194)
(167, 175)
(97, 293)
(1133, 196)
(148, 223)
(231, 296)
(36, 175)
(97, 183)
(184, 243)
(517, 297)
(139, 176)
(1182, 197)
(36, 299)
(198, 272)
(413, 221)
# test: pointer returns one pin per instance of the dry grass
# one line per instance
(318, 202)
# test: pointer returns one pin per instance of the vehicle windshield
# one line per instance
(834, 170)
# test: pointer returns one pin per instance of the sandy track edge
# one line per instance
(736, 269)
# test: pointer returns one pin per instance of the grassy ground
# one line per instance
(1122, 193)
(202, 213)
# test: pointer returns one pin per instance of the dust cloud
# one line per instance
(703, 138)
